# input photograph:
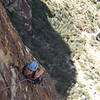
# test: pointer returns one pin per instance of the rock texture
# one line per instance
(13, 56)
(20, 12)
(73, 27)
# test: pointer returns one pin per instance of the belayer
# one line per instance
(33, 72)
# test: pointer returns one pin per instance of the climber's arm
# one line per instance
(39, 73)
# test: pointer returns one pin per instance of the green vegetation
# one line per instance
(83, 66)
(79, 26)
(98, 24)
(90, 16)
(98, 6)
(94, 1)
(98, 88)
(82, 85)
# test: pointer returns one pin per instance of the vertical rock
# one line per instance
(20, 12)
(13, 56)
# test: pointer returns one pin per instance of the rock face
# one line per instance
(46, 44)
(64, 42)
(13, 56)
(20, 12)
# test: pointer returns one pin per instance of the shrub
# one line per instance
(94, 1)
(98, 88)
(90, 16)
(98, 6)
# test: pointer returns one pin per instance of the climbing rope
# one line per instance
(39, 93)
(17, 84)
(13, 85)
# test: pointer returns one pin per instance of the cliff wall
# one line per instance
(19, 12)
(13, 56)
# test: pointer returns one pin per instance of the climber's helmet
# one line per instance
(32, 66)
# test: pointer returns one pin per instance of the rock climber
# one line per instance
(33, 72)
